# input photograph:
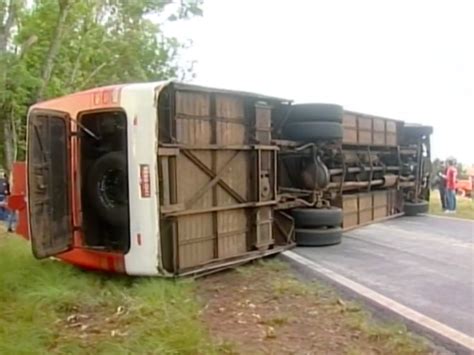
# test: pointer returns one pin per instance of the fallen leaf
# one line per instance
(75, 325)
(270, 333)
(72, 318)
(353, 309)
(118, 333)
(341, 303)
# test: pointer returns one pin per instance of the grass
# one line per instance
(465, 206)
(339, 325)
(391, 338)
(50, 307)
(388, 338)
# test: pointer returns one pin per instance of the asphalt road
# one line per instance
(424, 263)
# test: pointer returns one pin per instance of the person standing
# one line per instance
(4, 190)
(441, 185)
(451, 179)
(11, 215)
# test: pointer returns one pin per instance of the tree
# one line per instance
(50, 48)
(9, 12)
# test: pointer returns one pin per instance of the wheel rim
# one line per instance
(112, 188)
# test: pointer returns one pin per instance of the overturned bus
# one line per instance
(173, 179)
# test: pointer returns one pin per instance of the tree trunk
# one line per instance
(8, 144)
(55, 45)
(6, 132)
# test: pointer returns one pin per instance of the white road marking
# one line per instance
(408, 313)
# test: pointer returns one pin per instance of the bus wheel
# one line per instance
(415, 208)
(318, 237)
(314, 218)
(107, 188)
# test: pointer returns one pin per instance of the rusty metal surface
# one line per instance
(370, 158)
(363, 129)
(204, 89)
(364, 208)
(217, 266)
(224, 178)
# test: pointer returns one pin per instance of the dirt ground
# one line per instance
(263, 309)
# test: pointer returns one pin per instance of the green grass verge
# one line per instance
(36, 298)
(47, 307)
(465, 207)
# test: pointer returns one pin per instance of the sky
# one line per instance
(409, 60)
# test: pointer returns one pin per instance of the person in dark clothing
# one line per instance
(4, 192)
(441, 185)
(10, 215)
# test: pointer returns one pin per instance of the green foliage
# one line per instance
(102, 42)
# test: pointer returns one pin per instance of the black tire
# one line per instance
(107, 188)
(414, 208)
(313, 131)
(313, 218)
(318, 237)
(316, 112)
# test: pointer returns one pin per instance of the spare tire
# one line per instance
(318, 237)
(313, 131)
(107, 188)
(414, 208)
(316, 112)
(313, 218)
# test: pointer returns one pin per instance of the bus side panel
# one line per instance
(143, 256)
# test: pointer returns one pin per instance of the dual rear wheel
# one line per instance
(314, 122)
(318, 227)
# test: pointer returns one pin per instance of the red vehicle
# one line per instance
(464, 187)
